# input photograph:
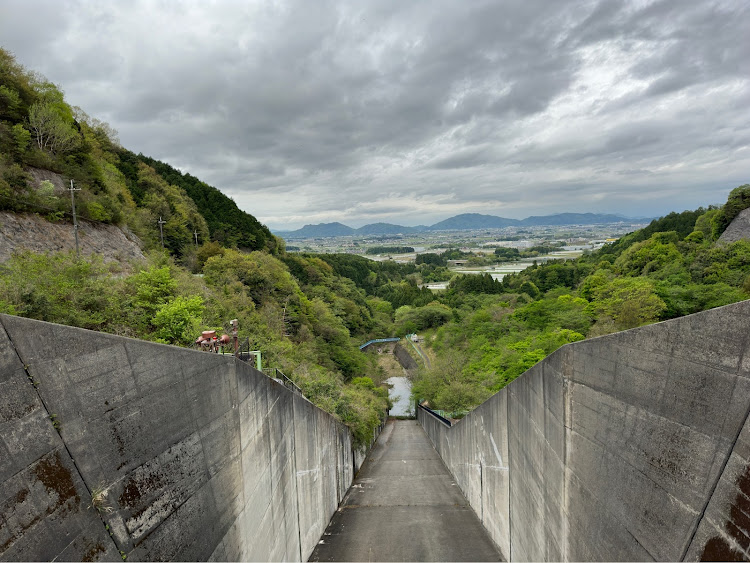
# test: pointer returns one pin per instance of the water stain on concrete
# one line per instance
(137, 487)
(93, 551)
(57, 479)
(738, 526)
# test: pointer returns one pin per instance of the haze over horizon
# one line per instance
(356, 225)
(410, 113)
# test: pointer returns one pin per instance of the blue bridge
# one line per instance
(378, 341)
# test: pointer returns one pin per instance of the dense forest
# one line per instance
(307, 313)
(389, 250)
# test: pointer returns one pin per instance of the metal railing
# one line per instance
(377, 341)
(278, 375)
(252, 357)
(249, 356)
(436, 415)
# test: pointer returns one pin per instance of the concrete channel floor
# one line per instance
(405, 506)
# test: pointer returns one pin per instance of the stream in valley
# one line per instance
(400, 393)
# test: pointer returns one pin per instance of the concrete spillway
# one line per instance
(404, 506)
(633, 446)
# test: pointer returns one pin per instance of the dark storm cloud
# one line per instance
(383, 110)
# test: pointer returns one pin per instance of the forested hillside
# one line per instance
(484, 333)
(310, 330)
(39, 129)
(227, 224)
(497, 330)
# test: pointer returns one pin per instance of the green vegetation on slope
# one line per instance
(483, 333)
(227, 224)
(309, 331)
(498, 330)
(39, 130)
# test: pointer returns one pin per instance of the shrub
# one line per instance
(178, 321)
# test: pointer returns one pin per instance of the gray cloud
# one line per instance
(410, 112)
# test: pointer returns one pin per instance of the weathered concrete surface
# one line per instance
(476, 453)
(202, 457)
(43, 500)
(404, 506)
(633, 446)
(404, 358)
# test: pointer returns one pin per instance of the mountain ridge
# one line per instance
(464, 221)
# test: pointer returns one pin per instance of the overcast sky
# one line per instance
(409, 112)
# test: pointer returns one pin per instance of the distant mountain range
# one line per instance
(463, 222)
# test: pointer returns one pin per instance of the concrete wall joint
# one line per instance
(296, 496)
(509, 462)
(715, 484)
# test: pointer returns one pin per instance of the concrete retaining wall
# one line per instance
(202, 457)
(404, 358)
(632, 446)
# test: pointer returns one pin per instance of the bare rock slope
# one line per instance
(738, 229)
(32, 232)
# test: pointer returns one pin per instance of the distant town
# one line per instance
(572, 238)
(477, 250)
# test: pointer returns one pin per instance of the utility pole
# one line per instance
(161, 231)
(75, 220)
